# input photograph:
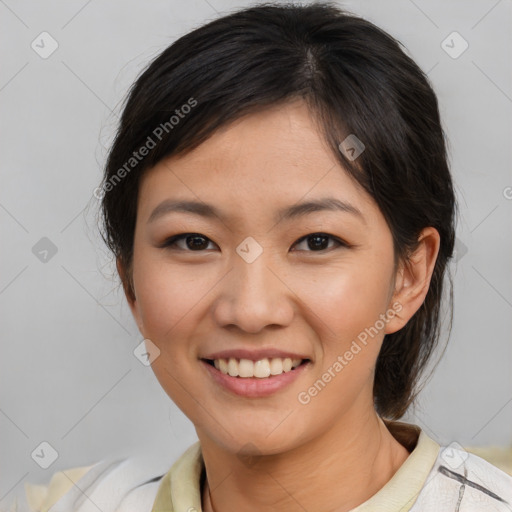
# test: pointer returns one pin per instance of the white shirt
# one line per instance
(432, 479)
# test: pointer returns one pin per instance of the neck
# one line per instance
(337, 471)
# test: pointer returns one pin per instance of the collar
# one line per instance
(180, 488)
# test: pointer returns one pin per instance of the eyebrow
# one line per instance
(290, 212)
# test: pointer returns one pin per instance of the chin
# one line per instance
(250, 439)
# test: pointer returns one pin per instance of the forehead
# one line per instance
(276, 156)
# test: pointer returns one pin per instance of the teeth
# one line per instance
(276, 366)
(233, 367)
(245, 368)
(261, 369)
(223, 365)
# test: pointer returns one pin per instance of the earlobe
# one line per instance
(413, 278)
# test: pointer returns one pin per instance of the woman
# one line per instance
(281, 210)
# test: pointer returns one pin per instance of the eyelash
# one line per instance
(170, 243)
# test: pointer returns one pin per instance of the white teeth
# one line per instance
(245, 368)
(276, 366)
(233, 367)
(223, 365)
(263, 368)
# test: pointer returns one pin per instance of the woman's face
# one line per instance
(255, 285)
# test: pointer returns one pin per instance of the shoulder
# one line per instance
(112, 485)
(141, 497)
(465, 482)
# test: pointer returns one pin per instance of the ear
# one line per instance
(412, 279)
(129, 292)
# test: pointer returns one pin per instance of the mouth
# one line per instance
(258, 378)
(265, 368)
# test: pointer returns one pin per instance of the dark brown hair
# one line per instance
(355, 79)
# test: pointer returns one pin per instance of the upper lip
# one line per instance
(253, 355)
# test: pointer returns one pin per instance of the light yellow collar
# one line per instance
(180, 491)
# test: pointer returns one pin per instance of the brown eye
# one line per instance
(194, 242)
(317, 242)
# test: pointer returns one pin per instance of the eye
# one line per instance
(193, 242)
(316, 242)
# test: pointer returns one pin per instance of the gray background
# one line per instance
(68, 373)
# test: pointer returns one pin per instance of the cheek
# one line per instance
(167, 296)
(346, 300)
(167, 300)
(344, 310)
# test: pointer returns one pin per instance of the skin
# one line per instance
(334, 452)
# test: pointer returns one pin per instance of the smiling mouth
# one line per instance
(261, 369)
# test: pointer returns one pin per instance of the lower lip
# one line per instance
(254, 387)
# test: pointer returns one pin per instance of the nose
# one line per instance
(253, 296)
